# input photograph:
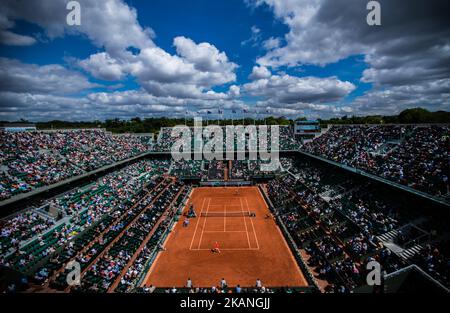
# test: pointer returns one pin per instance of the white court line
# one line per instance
(221, 212)
(245, 223)
(216, 205)
(235, 203)
(225, 218)
(226, 198)
(196, 225)
(204, 224)
(221, 231)
(226, 249)
(253, 226)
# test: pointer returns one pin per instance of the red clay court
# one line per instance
(251, 247)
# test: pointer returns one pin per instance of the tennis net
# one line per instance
(227, 214)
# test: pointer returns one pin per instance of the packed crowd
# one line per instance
(215, 169)
(335, 247)
(335, 218)
(416, 156)
(187, 168)
(340, 232)
(239, 169)
(21, 227)
(88, 245)
(434, 259)
(99, 197)
(147, 255)
(165, 140)
(95, 148)
(79, 211)
(34, 159)
(107, 269)
(287, 140)
(246, 169)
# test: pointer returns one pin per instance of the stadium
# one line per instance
(224, 147)
(136, 220)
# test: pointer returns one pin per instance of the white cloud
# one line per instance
(196, 69)
(259, 72)
(204, 56)
(32, 78)
(292, 96)
(111, 24)
(8, 37)
(409, 51)
(286, 89)
(103, 105)
(271, 43)
(191, 73)
(234, 91)
(405, 70)
(433, 95)
(13, 39)
(102, 66)
(254, 37)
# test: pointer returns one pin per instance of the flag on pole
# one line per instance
(219, 111)
(207, 120)
(245, 111)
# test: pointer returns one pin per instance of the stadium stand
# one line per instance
(80, 210)
(34, 159)
(187, 169)
(287, 140)
(343, 229)
(415, 156)
(215, 170)
(335, 221)
(239, 170)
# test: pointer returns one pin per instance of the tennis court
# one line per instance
(251, 244)
(227, 221)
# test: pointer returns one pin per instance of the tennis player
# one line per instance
(216, 247)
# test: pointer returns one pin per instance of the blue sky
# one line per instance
(288, 58)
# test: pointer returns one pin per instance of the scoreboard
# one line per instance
(306, 128)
